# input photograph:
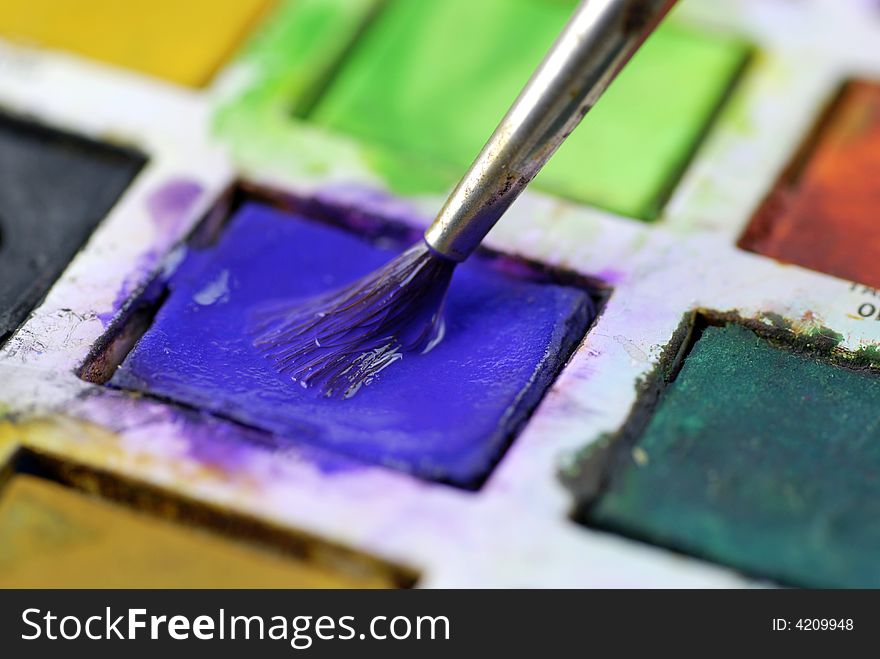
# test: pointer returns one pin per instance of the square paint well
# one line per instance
(52, 536)
(54, 190)
(447, 415)
(822, 214)
(433, 79)
(759, 457)
(185, 42)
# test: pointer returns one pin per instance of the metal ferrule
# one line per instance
(598, 40)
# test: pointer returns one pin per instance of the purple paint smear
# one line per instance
(228, 447)
(445, 415)
(169, 207)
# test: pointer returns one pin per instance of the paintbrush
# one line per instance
(338, 342)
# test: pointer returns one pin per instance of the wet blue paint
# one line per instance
(446, 415)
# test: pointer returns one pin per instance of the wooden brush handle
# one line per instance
(597, 42)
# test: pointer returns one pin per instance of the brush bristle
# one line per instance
(338, 342)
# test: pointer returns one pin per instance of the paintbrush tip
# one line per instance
(340, 341)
